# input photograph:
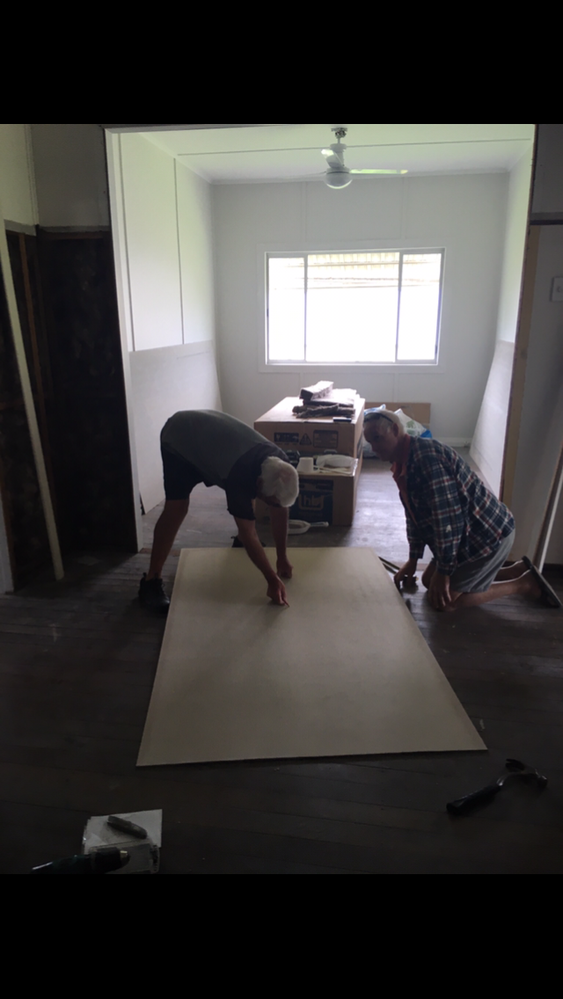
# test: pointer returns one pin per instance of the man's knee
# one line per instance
(428, 575)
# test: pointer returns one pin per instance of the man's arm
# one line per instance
(447, 517)
(417, 543)
(448, 524)
(439, 591)
(279, 519)
(249, 537)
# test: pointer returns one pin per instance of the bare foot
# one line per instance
(529, 586)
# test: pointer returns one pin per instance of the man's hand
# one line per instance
(285, 568)
(439, 592)
(406, 574)
(256, 554)
(279, 518)
(276, 592)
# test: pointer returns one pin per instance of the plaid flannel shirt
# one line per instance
(450, 509)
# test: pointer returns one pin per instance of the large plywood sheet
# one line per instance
(343, 672)
(163, 383)
(489, 441)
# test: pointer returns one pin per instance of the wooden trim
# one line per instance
(523, 331)
(520, 365)
(550, 514)
(38, 455)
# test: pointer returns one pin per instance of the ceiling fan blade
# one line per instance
(379, 172)
(335, 155)
(335, 163)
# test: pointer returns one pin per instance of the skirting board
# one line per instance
(343, 672)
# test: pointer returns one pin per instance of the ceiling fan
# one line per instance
(338, 175)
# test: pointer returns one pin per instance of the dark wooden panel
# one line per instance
(92, 456)
(27, 534)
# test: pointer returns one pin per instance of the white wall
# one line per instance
(164, 248)
(515, 243)
(489, 440)
(71, 176)
(466, 214)
(151, 222)
(17, 183)
(196, 256)
(168, 233)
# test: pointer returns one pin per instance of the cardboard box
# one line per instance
(419, 411)
(323, 497)
(311, 437)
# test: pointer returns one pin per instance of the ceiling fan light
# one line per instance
(338, 179)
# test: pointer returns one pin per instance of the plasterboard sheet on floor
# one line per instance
(344, 671)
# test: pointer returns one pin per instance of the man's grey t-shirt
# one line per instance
(225, 452)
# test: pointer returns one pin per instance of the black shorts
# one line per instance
(180, 476)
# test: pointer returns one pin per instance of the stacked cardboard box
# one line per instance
(323, 496)
(311, 437)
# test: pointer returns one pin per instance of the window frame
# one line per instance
(268, 365)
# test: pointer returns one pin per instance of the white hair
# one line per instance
(280, 481)
(382, 420)
(376, 414)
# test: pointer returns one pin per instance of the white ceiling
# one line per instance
(257, 153)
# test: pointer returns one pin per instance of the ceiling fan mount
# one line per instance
(338, 175)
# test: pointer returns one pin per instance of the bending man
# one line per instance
(218, 450)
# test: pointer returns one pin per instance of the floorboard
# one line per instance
(77, 664)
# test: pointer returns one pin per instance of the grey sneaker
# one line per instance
(153, 597)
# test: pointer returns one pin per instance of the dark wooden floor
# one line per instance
(77, 664)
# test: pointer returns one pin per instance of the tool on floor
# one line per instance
(103, 861)
(389, 565)
(123, 832)
(516, 770)
(394, 569)
(125, 826)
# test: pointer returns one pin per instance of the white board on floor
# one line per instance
(344, 671)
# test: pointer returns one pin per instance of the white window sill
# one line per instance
(415, 367)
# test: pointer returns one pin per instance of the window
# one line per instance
(354, 308)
